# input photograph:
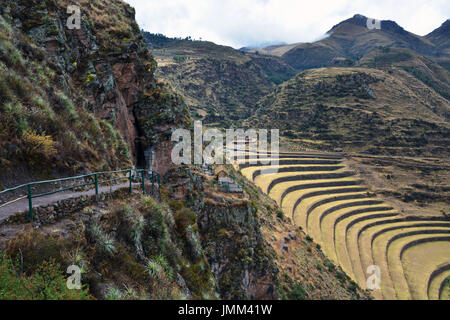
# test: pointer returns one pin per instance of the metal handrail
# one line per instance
(154, 177)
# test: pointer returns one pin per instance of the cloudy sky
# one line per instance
(239, 23)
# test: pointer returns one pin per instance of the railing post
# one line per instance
(143, 181)
(96, 185)
(30, 202)
(131, 186)
(153, 181)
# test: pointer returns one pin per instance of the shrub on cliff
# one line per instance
(33, 248)
(184, 218)
(46, 283)
(298, 293)
(37, 145)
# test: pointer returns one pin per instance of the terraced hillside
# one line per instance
(356, 109)
(420, 67)
(355, 228)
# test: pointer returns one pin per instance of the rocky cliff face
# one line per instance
(237, 252)
(240, 259)
(102, 71)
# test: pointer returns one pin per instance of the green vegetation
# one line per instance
(81, 111)
(134, 246)
(184, 217)
(437, 86)
(423, 68)
(47, 282)
(330, 266)
(350, 40)
(298, 293)
(114, 22)
(388, 58)
(280, 214)
(102, 239)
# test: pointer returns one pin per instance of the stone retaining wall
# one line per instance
(49, 214)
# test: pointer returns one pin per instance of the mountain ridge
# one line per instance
(352, 39)
(218, 82)
(349, 44)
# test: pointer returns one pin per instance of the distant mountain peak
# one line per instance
(357, 19)
(361, 21)
(441, 35)
(359, 16)
(443, 29)
(445, 26)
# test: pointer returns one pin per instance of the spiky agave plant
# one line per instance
(77, 258)
(114, 294)
(104, 240)
(162, 261)
(128, 212)
(136, 221)
(108, 244)
(154, 269)
(130, 292)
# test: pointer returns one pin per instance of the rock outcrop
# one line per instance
(102, 70)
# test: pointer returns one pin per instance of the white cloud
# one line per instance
(247, 22)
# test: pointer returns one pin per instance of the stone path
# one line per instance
(22, 205)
